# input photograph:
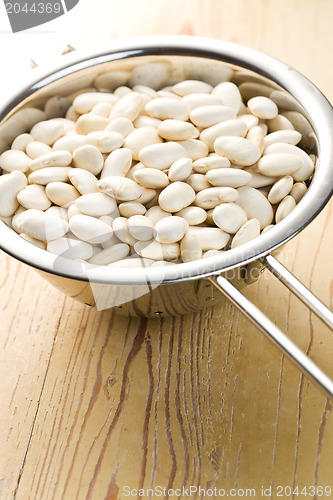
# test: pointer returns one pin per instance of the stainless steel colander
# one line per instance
(185, 287)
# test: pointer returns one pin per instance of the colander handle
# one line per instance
(271, 331)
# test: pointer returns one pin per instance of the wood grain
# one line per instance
(92, 402)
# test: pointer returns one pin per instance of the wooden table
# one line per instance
(92, 402)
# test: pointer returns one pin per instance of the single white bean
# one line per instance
(171, 229)
(47, 131)
(90, 123)
(180, 169)
(140, 227)
(203, 165)
(210, 238)
(255, 205)
(228, 177)
(88, 158)
(83, 180)
(70, 248)
(37, 148)
(285, 207)
(122, 126)
(147, 196)
(21, 142)
(279, 164)
(229, 94)
(41, 225)
(176, 196)
(238, 150)
(249, 231)
(285, 136)
(151, 178)
(96, 204)
(307, 168)
(278, 123)
(129, 208)
(280, 189)
(118, 162)
(166, 108)
(161, 156)
(122, 188)
(112, 254)
(60, 212)
(14, 159)
(196, 100)
(211, 197)
(256, 135)
(263, 107)
(10, 186)
(190, 248)
(146, 121)
(69, 143)
(187, 87)
(62, 194)
(193, 215)
(34, 196)
(90, 229)
(207, 116)
(121, 230)
(128, 106)
(51, 174)
(176, 130)
(298, 191)
(111, 79)
(198, 182)
(229, 217)
(53, 159)
(105, 141)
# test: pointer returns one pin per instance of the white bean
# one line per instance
(171, 229)
(194, 149)
(165, 108)
(161, 156)
(285, 136)
(90, 229)
(255, 205)
(140, 227)
(198, 182)
(156, 213)
(307, 167)
(157, 251)
(69, 143)
(298, 191)
(207, 116)
(37, 148)
(263, 107)
(96, 204)
(70, 248)
(129, 106)
(176, 130)
(129, 208)
(10, 186)
(249, 231)
(47, 131)
(14, 159)
(196, 100)
(118, 162)
(46, 175)
(280, 189)
(229, 94)
(83, 180)
(53, 159)
(62, 194)
(85, 102)
(180, 169)
(210, 238)
(121, 230)
(122, 188)
(122, 126)
(193, 215)
(191, 87)
(190, 248)
(229, 177)
(105, 141)
(90, 123)
(238, 150)
(21, 142)
(203, 165)
(88, 158)
(211, 197)
(40, 225)
(151, 178)
(112, 254)
(278, 164)
(285, 207)
(34, 196)
(229, 217)
(176, 196)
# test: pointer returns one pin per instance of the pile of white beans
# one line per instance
(170, 176)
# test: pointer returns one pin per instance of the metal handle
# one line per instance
(271, 331)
